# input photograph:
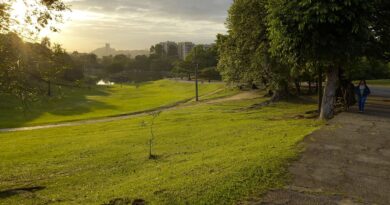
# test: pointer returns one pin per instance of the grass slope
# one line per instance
(78, 104)
(379, 82)
(207, 154)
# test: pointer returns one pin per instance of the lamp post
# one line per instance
(196, 83)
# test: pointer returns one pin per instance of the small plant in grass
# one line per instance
(151, 139)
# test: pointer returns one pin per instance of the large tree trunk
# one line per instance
(281, 93)
(320, 89)
(329, 98)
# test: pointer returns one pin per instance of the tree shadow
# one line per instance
(12, 192)
(302, 99)
(375, 107)
(379, 107)
(66, 103)
(78, 103)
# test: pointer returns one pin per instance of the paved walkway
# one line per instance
(345, 163)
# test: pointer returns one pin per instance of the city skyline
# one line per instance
(183, 49)
(134, 25)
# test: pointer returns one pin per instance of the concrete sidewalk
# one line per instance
(345, 163)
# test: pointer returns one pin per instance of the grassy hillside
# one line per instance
(76, 104)
(207, 154)
(379, 82)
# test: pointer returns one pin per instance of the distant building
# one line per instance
(184, 48)
(169, 47)
(108, 51)
(181, 49)
(108, 48)
(208, 46)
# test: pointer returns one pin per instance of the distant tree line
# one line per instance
(159, 64)
(206, 59)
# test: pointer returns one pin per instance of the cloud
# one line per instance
(135, 24)
(213, 10)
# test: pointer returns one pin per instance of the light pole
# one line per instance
(196, 83)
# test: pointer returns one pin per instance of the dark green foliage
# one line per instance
(40, 13)
(122, 68)
(210, 73)
(369, 69)
(329, 32)
(282, 42)
(246, 38)
(24, 66)
(205, 58)
(29, 69)
(183, 68)
(14, 67)
(157, 51)
(330, 35)
(244, 55)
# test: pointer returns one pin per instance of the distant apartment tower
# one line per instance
(169, 47)
(184, 48)
(208, 46)
(107, 48)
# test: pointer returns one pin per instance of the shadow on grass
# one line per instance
(68, 102)
(301, 99)
(12, 192)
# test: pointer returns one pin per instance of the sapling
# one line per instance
(151, 139)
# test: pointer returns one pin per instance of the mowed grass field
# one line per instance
(382, 82)
(385, 82)
(206, 154)
(100, 101)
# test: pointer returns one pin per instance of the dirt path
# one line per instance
(345, 163)
(178, 105)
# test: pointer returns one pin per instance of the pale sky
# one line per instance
(138, 24)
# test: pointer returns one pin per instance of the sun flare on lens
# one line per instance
(18, 12)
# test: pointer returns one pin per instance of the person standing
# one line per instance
(362, 91)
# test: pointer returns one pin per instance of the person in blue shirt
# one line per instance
(362, 91)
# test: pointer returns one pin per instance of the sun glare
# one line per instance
(18, 11)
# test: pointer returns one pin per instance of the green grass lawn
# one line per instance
(207, 154)
(381, 82)
(385, 82)
(78, 104)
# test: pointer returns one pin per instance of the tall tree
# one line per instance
(243, 53)
(16, 60)
(329, 34)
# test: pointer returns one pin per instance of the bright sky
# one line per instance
(138, 24)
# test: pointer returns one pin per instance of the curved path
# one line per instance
(180, 104)
(345, 163)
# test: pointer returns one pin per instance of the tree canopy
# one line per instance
(244, 55)
(330, 34)
(23, 65)
(276, 42)
(37, 15)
